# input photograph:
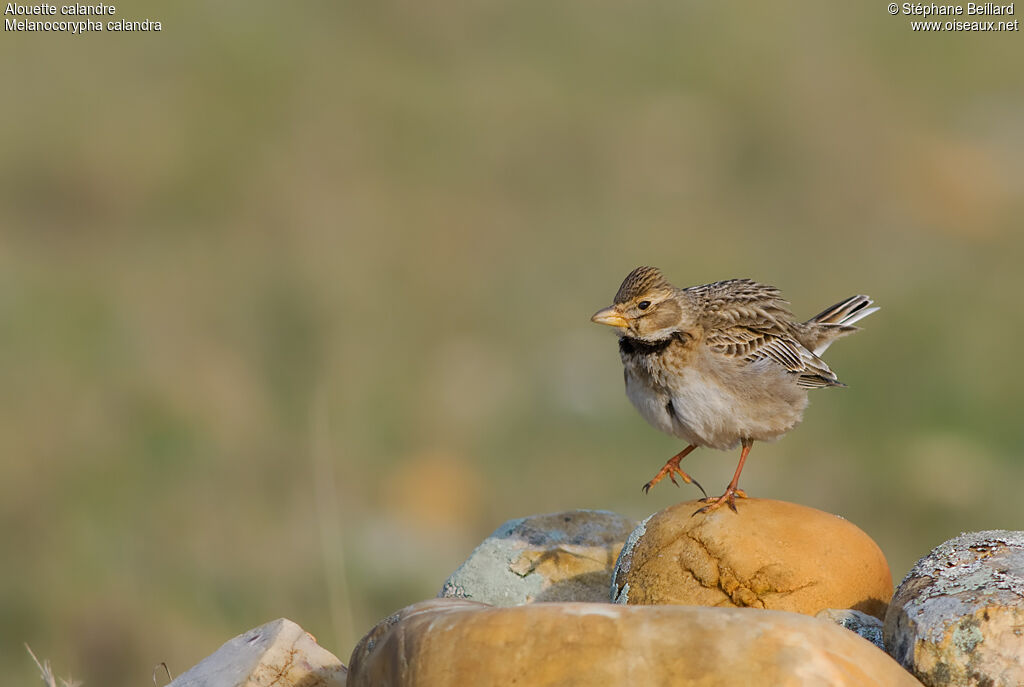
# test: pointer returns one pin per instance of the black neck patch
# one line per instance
(631, 346)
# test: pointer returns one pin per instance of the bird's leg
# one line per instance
(671, 468)
(732, 491)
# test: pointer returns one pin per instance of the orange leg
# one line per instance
(731, 492)
(671, 468)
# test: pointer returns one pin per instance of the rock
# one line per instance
(867, 626)
(279, 653)
(958, 616)
(557, 557)
(772, 555)
(446, 642)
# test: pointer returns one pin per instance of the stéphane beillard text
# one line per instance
(971, 8)
(53, 10)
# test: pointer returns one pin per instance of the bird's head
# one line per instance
(646, 307)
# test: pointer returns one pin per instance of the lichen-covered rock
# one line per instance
(958, 616)
(446, 642)
(556, 557)
(772, 555)
(277, 654)
(867, 626)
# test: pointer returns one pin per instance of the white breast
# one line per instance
(707, 413)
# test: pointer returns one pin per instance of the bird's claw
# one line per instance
(727, 499)
(699, 487)
(672, 471)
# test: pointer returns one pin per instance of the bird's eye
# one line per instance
(643, 305)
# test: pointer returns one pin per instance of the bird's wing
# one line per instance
(739, 302)
(749, 321)
(751, 345)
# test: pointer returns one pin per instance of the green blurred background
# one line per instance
(295, 299)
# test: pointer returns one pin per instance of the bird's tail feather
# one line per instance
(846, 312)
(838, 320)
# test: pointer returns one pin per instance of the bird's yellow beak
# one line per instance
(610, 317)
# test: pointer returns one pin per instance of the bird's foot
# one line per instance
(671, 469)
(727, 499)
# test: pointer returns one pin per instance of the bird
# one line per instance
(721, 365)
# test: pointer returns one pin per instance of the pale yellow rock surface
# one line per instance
(277, 654)
(771, 554)
(447, 642)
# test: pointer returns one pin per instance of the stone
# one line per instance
(771, 554)
(445, 642)
(278, 654)
(867, 626)
(957, 618)
(564, 556)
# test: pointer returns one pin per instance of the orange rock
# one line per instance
(772, 555)
(447, 642)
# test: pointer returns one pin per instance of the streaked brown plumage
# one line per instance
(721, 364)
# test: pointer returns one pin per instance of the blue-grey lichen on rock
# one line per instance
(564, 556)
(957, 618)
(867, 626)
(620, 589)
